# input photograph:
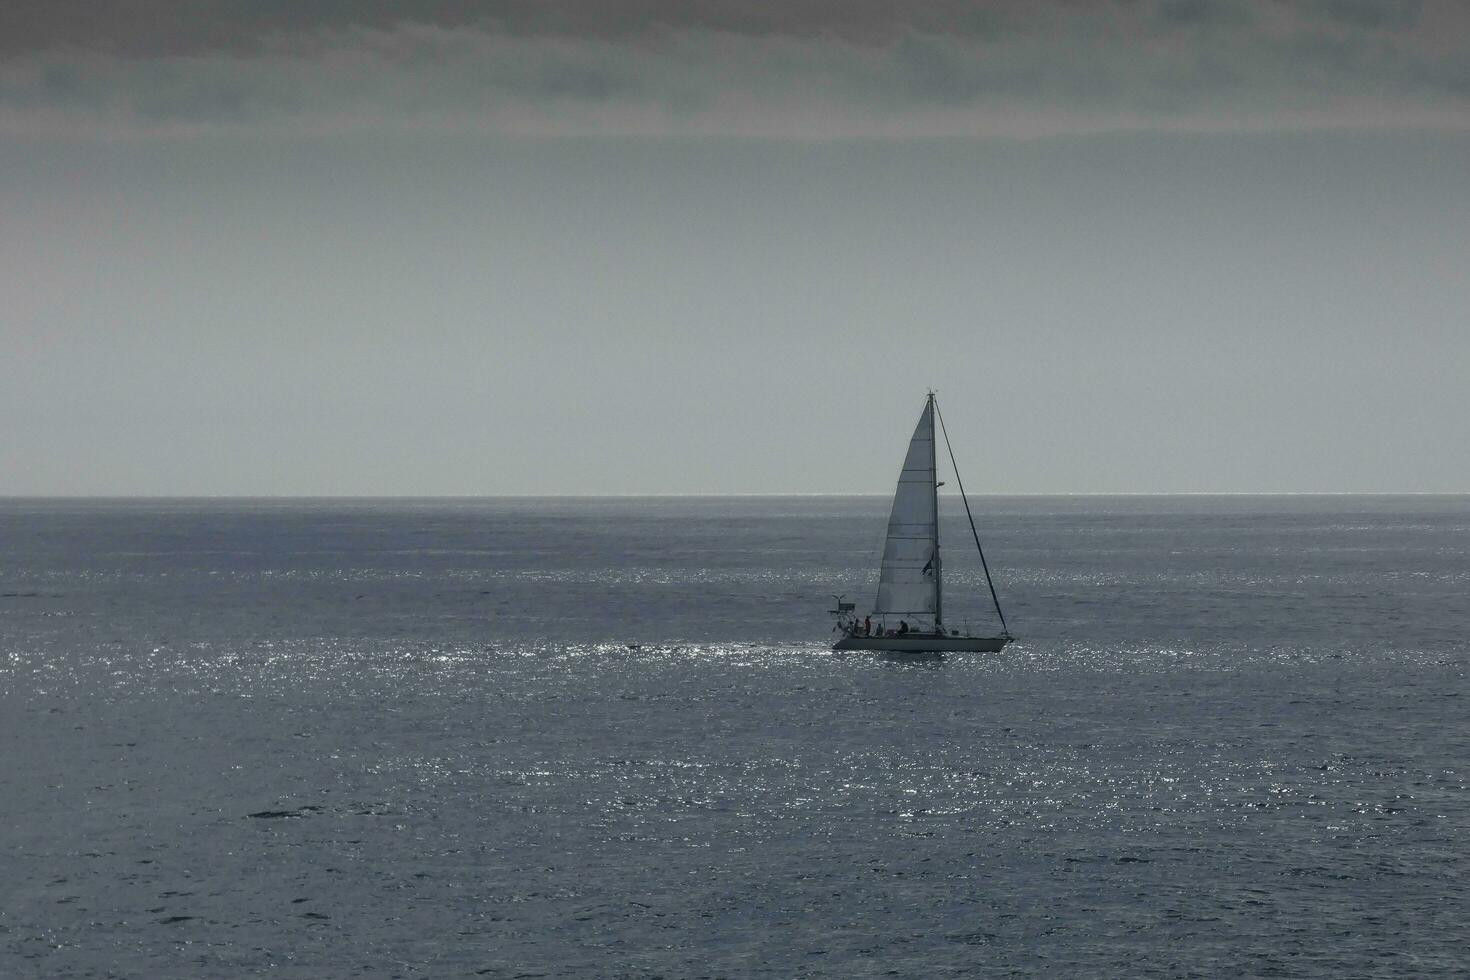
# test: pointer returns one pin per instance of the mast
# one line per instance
(934, 471)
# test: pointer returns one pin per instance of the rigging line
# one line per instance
(983, 564)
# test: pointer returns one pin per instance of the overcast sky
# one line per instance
(575, 247)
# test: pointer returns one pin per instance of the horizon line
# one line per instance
(718, 494)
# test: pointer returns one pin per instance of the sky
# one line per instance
(257, 248)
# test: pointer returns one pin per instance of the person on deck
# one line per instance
(867, 626)
(903, 627)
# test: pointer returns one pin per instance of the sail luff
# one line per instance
(934, 481)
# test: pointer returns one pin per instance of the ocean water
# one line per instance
(553, 737)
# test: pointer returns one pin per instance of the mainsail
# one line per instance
(908, 584)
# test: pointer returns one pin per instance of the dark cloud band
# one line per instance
(865, 69)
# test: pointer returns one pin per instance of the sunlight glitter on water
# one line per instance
(636, 767)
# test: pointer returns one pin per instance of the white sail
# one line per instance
(908, 584)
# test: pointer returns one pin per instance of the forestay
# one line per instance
(909, 581)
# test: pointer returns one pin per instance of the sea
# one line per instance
(608, 737)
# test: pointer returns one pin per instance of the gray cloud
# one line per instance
(800, 69)
(167, 27)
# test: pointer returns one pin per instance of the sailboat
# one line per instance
(908, 615)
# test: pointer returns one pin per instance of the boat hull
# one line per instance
(924, 643)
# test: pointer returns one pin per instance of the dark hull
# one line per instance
(924, 643)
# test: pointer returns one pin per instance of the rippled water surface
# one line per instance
(607, 738)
